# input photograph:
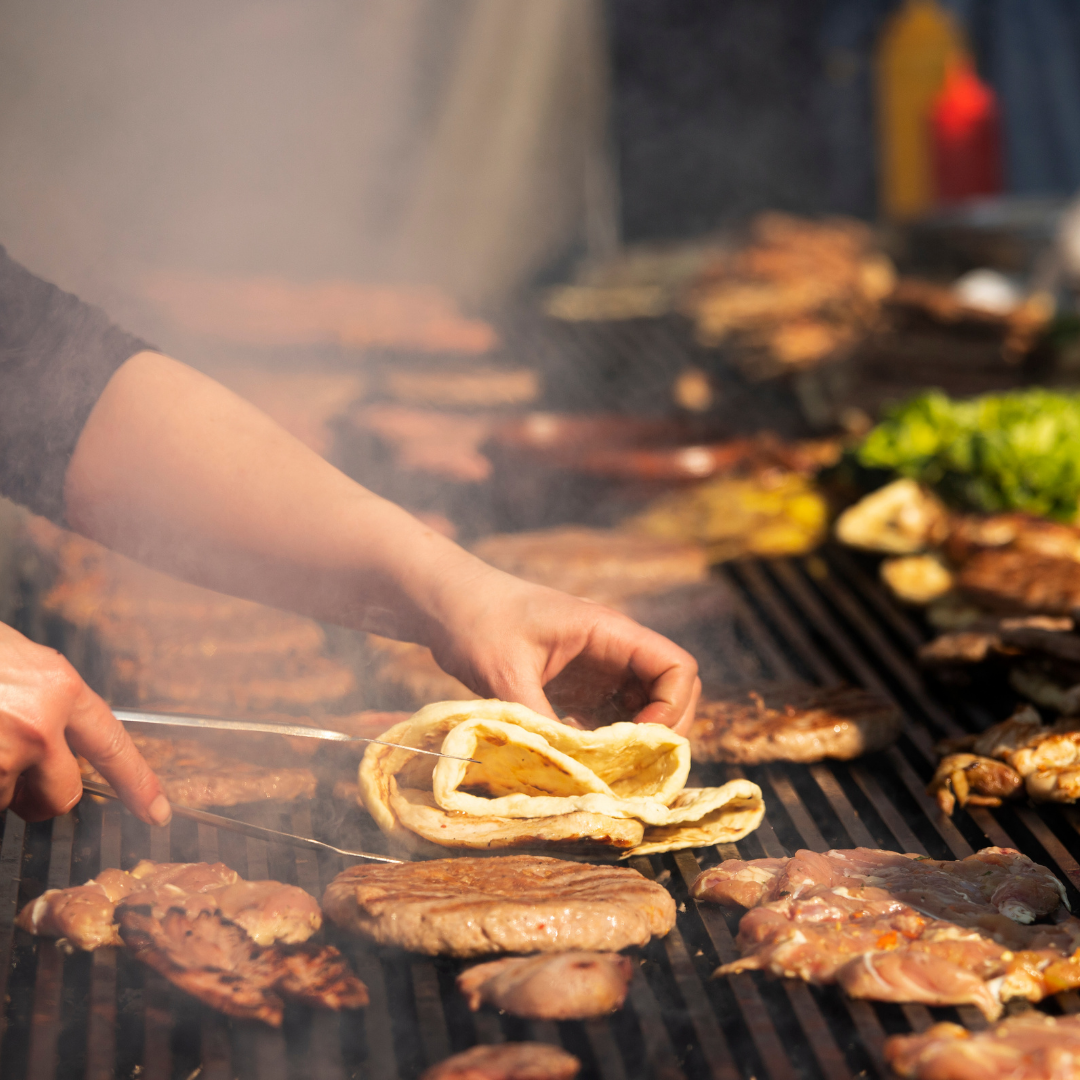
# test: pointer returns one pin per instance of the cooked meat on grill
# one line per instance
(268, 911)
(894, 927)
(175, 644)
(83, 914)
(193, 774)
(1020, 635)
(563, 986)
(216, 961)
(511, 904)
(444, 444)
(1046, 759)
(235, 683)
(507, 1061)
(796, 723)
(1031, 1046)
(600, 564)
(971, 533)
(1023, 581)
(968, 779)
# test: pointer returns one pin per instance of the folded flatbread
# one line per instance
(539, 783)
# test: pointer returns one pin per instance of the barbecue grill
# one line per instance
(824, 619)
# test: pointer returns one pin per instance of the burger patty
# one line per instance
(1017, 580)
(511, 904)
(797, 723)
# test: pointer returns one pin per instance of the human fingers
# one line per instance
(49, 788)
(669, 675)
(95, 733)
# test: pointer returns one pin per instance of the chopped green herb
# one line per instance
(1010, 451)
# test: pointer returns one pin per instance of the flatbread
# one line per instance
(538, 783)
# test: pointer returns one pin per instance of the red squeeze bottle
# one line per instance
(966, 135)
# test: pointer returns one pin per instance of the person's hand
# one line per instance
(46, 711)
(509, 639)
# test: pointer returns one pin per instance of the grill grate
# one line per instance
(824, 618)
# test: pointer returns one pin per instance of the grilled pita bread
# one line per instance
(538, 783)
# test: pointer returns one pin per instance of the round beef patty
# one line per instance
(513, 904)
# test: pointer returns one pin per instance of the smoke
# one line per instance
(296, 138)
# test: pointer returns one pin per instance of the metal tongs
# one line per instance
(208, 723)
(259, 832)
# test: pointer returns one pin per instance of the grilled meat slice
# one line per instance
(507, 1061)
(84, 914)
(508, 904)
(799, 723)
(564, 986)
(971, 533)
(602, 564)
(217, 962)
(971, 779)
(1040, 634)
(897, 927)
(268, 911)
(193, 774)
(1015, 580)
(1032, 1046)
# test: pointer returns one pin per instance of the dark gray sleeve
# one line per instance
(56, 355)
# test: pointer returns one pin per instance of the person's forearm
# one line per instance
(183, 475)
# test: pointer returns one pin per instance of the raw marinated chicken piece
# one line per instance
(564, 986)
(507, 1061)
(895, 927)
(83, 914)
(217, 962)
(268, 911)
(1032, 1046)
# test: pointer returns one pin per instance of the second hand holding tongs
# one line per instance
(208, 723)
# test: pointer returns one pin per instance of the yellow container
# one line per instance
(914, 49)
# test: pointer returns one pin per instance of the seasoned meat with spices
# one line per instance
(1031, 1046)
(559, 986)
(507, 1061)
(217, 962)
(796, 723)
(84, 914)
(894, 927)
(968, 779)
(508, 904)
(1046, 758)
(268, 911)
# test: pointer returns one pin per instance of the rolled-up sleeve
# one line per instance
(56, 356)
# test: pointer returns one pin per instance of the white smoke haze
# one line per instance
(443, 142)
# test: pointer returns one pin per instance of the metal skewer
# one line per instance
(208, 723)
(259, 832)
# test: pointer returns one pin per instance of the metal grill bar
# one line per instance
(822, 618)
